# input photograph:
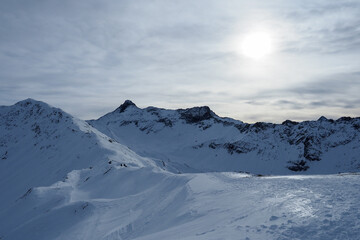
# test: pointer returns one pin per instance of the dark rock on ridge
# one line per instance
(125, 105)
(298, 166)
(196, 114)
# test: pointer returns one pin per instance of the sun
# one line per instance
(256, 45)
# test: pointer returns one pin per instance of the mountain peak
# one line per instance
(289, 123)
(125, 105)
(322, 119)
(29, 102)
(196, 114)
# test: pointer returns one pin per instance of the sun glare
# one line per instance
(256, 45)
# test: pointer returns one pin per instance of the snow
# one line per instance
(87, 185)
(143, 203)
(43, 144)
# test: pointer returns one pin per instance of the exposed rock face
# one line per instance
(298, 166)
(311, 148)
(289, 123)
(125, 105)
(196, 114)
(238, 147)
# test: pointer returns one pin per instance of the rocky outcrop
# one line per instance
(125, 105)
(196, 114)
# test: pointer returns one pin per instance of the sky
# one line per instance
(88, 57)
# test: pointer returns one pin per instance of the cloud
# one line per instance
(89, 56)
(335, 91)
(326, 27)
(345, 84)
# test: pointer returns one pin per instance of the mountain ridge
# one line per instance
(37, 135)
(303, 143)
(206, 108)
(197, 140)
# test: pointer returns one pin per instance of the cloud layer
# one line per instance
(89, 56)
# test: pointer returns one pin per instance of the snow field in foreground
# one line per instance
(144, 203)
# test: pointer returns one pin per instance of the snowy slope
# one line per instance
(40, 145)
(197, 140)
(143, 203)
(60, 178)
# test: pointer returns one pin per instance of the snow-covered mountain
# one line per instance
(61, 178)
(197, 140)
(40, 145)
(46, 156)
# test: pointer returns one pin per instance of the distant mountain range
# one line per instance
(197, 140)
(183, 140)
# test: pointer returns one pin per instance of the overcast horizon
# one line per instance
(88, 57)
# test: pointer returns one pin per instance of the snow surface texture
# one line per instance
(61, 178)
